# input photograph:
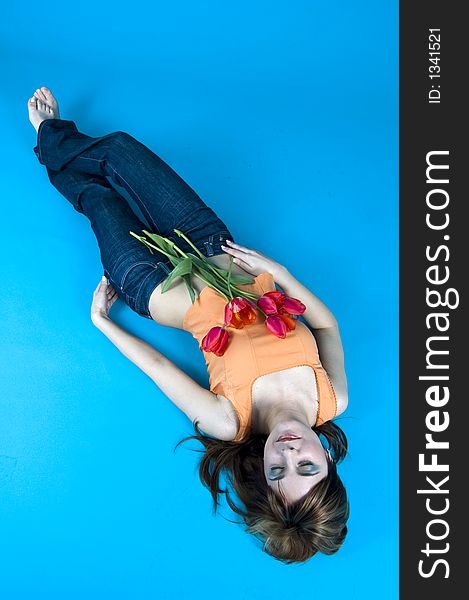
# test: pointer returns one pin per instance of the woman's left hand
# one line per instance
(104, 297)
(252, 261)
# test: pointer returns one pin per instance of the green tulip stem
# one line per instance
(213, 268)
(147, 243)
(205, 281)
(181, 252)
(180, 234)
(220, 287)
(225, 287)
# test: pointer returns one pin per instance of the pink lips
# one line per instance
(287, 438)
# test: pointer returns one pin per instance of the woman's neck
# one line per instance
(270, 414)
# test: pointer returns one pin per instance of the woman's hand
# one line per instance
(252, 261)
(104, 297)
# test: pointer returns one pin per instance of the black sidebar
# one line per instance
(434, 329)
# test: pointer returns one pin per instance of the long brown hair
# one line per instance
(289, 532)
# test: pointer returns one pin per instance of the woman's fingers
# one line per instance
(243, 264)
(240, 254)
(239, 257)
(239, 247)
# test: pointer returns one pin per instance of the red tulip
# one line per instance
(267, 304)
(215, 341)
(293, 306)
(239, 312)
(276, 296)
(288, 319)
(276, 325)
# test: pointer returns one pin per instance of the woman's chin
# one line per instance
(293, 429)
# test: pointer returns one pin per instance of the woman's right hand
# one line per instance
(252, 261)
(104, 297)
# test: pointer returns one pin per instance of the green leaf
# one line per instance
(235, 279)
(228, 281)
(164, 243)
(210, 278)
(183, 268)
(152, 247)
(206, 268)
(197, 261)
(184, 237)
(190, 289)
(241, 279)
(174, 261)
(202, 265)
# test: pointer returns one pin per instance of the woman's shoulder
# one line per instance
(342, 403)
(229, 424)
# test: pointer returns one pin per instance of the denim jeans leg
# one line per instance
(167, 202)
(128, 264)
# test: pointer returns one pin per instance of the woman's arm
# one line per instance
(254, 262)
(317, 314)
(198, 403)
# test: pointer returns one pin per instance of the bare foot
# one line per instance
(42, 106)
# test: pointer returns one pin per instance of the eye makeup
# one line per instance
(304, 468)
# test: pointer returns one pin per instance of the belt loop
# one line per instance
(208, 247)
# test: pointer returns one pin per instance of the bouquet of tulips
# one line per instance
(280, 311)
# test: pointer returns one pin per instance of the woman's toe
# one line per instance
(48, 96)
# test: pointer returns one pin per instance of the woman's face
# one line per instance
(294, 459)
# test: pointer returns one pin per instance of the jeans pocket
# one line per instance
(134, 277)
(135, 281)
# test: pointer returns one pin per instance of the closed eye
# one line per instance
(276, 473)
(304, 468)
(307, 468)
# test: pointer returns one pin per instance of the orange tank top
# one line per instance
(253, 351)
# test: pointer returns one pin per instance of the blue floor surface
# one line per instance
(283, 117)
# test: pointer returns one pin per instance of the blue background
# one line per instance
(283, 117)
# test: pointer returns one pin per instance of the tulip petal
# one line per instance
(276, 296)
(288, 320)
(211, 338)
(215, 341)
(276, 326)
(222, 344)
(293, 306)
(228, 313)
(239, 312)
(236, 321)
(248, 315)
(267, 304)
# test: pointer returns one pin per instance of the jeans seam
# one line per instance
(38, 144)
(127, 271)
(137, 294)
(127, 183)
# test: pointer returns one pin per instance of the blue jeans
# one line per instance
(78, 166)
